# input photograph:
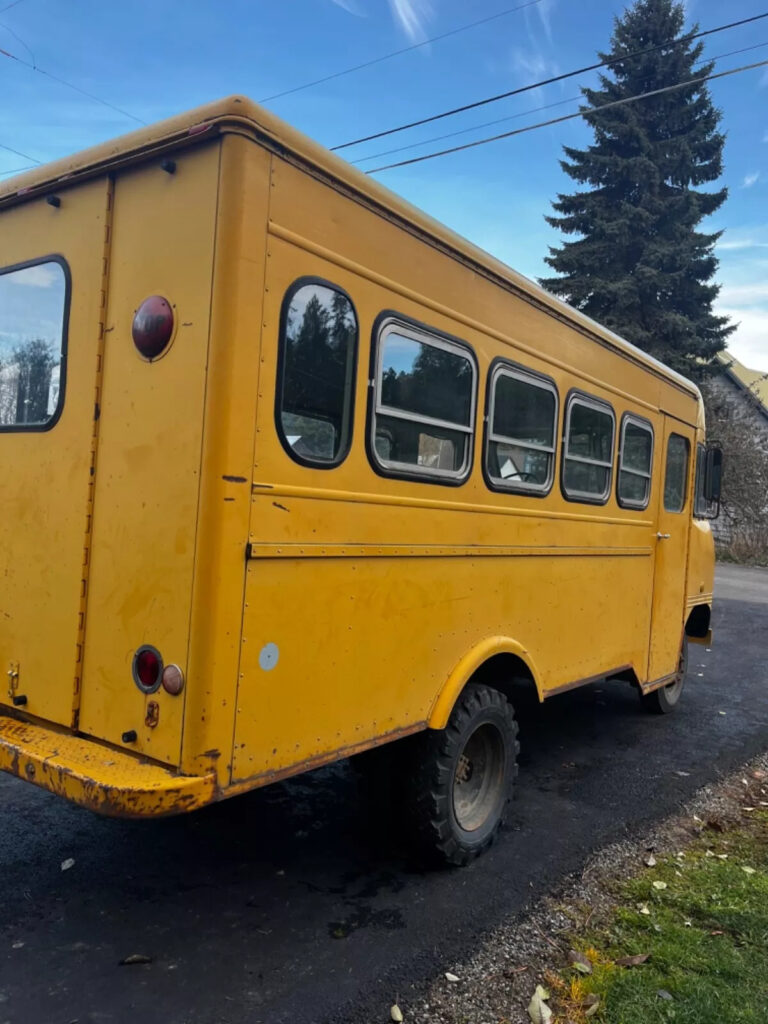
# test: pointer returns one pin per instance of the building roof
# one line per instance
(243, 116)
(753, 382)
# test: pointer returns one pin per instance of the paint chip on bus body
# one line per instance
(268, 656)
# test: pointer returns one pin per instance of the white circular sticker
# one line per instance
(268, 656)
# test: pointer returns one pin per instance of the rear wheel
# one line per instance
(666, 698)
(460, 780)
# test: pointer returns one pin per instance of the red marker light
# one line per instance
(147, 668)
(153, 325)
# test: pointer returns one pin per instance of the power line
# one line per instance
(17, 170)
(16, 152)
(570, 117)
(69, 85)
(396, 53)
(514, 117)
(550, 81)
(9, 6)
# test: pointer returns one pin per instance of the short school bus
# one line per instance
(290, 472)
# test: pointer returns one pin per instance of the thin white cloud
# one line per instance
(39, 276)
(735, 244)
(544, 10)
(412, 16)
(351, 6)
(750, 179)
(530, 64)
(752, 294)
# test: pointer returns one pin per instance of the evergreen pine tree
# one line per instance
(639, 265)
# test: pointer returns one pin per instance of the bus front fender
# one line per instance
(467, 667)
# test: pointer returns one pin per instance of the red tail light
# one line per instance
(147, 668)
(153, 325)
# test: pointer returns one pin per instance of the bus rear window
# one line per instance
(33, 314)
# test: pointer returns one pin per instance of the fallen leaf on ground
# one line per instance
(722, 712)
(747, 870)
(644, 909)
(580, 962)
(538, 1010)
(663, 994)
(68, 863)
(650, 862)
(450, 977)
(632, 961)
(717, 932)
(592, 1009)
(757, 774)
(683, 775)
(396, 1013)
(659, 885)
(135, 958)
(722, 856)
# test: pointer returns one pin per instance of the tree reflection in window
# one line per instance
(32, 315)
(319, 342)
(425, 398)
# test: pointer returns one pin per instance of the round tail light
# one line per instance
(147, 668)
(153, 324)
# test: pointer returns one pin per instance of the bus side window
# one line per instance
(676, 474)
(590, 426)
(316, 373)
(522, 424)
(635, 462)
(422, 417)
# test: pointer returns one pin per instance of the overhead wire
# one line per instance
(523, 113)
(569, 117)
(550, 81)
(397, 53)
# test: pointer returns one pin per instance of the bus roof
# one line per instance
(241, 114)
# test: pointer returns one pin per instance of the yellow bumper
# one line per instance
(98, 777)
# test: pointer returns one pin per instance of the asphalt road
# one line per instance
(281, 906)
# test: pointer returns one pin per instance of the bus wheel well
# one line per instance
(508, 674)
(698, 621)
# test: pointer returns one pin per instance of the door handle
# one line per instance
(663, 536)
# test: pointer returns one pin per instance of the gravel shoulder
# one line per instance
(496, 983)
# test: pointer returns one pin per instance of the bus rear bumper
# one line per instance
(98, 777)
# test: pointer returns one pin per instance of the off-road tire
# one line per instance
(664, 700)
(434, 813)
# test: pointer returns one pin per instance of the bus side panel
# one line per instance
(356, 642)
(148, 461)
(341, 650)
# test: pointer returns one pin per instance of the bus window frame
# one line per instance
(576, 395)
(645, 424)
(499, 365)
(423, 334)
(50, 423)
(686, 476)
(346, 447)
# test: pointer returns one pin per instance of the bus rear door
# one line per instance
(51, 311)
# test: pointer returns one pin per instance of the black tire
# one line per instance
(477, 750)
(664, 700)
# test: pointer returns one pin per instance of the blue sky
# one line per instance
(153, 58)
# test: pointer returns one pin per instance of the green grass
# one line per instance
(712, 978)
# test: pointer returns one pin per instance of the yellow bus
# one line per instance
(292, 472)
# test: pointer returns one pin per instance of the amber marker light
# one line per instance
(153, 324)
(173, 680)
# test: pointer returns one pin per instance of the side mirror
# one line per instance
(713, 475)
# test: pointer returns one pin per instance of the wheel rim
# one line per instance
(479, 778)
